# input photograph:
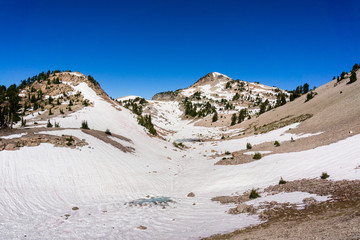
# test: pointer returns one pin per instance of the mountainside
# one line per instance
(225, 93)
(158, 169)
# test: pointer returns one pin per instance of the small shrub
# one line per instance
(61, 111)
(70, 139)
(310, 96)
(292, 139)
(57, 125)
(324, 175)
(257, 156)
(179, 145)
(50, 112)
(84, 125)
(248, 146)
(49, 125)
(276, 144)
(282, 181)
(86, 103)
(227, 153)
(254, 194)
(107, 132)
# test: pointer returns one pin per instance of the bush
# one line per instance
(69, 141)
(227, 153)
(57, 125)
(254, 194)
(179, 145)
(310, 96)
(324, 175)
(49, 125)
(108, 132)
(248, 146)
(257, 156)
(84, 125)
(276, 144)
(282, 181)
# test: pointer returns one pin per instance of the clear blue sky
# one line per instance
(143, 47)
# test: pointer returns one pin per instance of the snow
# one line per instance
(130, 97)
(262, 152)
(76, 74)
(14, 136)
(287, 197)
(39, 185)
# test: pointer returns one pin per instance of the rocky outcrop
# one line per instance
(165, 96)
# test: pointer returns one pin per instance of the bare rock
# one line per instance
(11, 147)
(191, 194)
(242, 208)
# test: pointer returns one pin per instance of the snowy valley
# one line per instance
(78, 165)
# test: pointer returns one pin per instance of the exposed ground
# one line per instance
(337, 218)
(334, 113)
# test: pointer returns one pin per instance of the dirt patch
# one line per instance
(337, 218)
(281, 123)
(104, 137)
(32, 139)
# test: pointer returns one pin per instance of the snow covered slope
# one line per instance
(101, 192)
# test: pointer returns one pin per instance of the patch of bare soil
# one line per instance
(337, 218)
(104, 137)
(32, 139)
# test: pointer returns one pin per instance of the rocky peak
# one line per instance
(213, 77)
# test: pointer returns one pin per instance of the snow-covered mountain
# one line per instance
(127, 182)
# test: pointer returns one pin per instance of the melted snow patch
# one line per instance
(287, 197)
(14, 136)
(262, 152)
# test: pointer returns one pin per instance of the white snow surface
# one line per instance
(14, 136)
(130, 97)
(40, 185)
(287, 197)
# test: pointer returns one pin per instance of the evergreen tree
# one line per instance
(215, 117)
(242, 115)
(306, 88)
(353, 77)
(233, 119)
(355, 67)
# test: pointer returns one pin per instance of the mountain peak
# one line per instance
(215, 77)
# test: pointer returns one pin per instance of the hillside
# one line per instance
(150, 169)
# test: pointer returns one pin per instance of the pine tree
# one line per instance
(306, 88)
(233, 119)
(215, 117)
(353, 77)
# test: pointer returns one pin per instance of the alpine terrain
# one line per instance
(223, 158)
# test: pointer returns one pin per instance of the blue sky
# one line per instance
(144, 47)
